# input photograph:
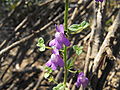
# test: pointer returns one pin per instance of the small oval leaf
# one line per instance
(77, 28)
(78, 49)
(46, 75)
(41, 44)
(40, 40)
(42, 47)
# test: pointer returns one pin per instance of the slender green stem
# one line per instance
(65, 48)
(66, 15)
(48, 47)
(65, 67)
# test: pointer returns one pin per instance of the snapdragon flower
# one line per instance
(55, 60)
(55, 43)
(81, 80)
(60, 38)
(99, 0)
(58, 42)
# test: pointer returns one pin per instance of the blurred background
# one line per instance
(22, 22)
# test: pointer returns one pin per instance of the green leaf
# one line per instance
(41, 44)
(46, 75)
(48, 72)
(60, 86)
(48, 69)
(77, 28)
(70, 63)
(78, 52)
(42, 47)
(78, 49)
(84, 24)
(75, 47)
(40, 40)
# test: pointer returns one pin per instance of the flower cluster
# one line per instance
(99, 0)
(81, 80)
(57, 43)
(60, 38)
(55, 60)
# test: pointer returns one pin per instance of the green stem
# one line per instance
(66, 15)
(65, 48)
(48, 47)
(65, 67)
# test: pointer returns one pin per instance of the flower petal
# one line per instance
(55, 61)
(55, 51)
(81, 80)
(53, 66)
(78, 84)
(60, 61)
(49, 63)
(99, 0)
(60, 28)
(55, 43)
(85, 83)
(52, 42)
(58, 45)
(53, 58)
(66, 42)
(60, 37)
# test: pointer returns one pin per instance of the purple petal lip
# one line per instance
(82, 80)
(60, 37)
(55, 51)
(55, 61)
(52, 42)
(60, 28)
(55, 43)
(99, 0)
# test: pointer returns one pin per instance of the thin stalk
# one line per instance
(65, 48)
(66, 15)
(65, 67)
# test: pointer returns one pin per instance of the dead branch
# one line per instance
(106, 42)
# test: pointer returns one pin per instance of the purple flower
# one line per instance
(81, 80)
(60, 28)
(55, 60)
(60, 38)
(55, 43)
(99, 0)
